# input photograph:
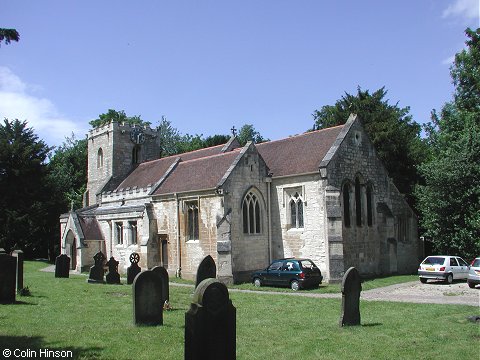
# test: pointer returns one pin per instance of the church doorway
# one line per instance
(163, 249)
(71, 249)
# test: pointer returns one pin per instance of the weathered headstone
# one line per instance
(62, 266)
(133, 269)
(19, 255)
(163, 274)
(351, 288)
(96, 271)
(210, 323)
(113, 277)
(8, 271)
(206, 270)
(147, 299)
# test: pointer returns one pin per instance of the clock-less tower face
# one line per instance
(137, 136)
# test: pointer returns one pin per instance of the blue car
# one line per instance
(294, 273)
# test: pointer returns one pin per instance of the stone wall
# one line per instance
(376, 248)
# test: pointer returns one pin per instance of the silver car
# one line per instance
(443, 267)
(474, 273)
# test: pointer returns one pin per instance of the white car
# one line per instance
(443, 267)
(474, 273)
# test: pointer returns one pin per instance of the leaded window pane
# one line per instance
(300, 213)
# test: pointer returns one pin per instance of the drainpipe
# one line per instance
(179, 265)
(268, 180)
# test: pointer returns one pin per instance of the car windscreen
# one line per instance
(434, 260)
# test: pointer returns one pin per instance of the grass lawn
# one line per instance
(95, 322)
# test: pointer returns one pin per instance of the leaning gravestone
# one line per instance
(8, 271)
(163, 274)
(62, 266)
(210, 323)
(206, 270)
(19, 255)
(96, 271)
(148, 299)
(113, 277)
(133, 269)
(351, 288)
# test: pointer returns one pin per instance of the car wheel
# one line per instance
(449, 279)
(423, 280)
(257, 282)
(294, 285)
(471, 285)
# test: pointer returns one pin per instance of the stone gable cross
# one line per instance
(234, 131)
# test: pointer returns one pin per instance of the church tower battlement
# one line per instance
(114, 150)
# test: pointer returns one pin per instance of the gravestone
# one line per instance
(148, 299)
(8, 278)
(133, 269)
(351, 288)
(206, 270)
(19, 255)
(62, 266)
(96, 271)
(210, 323)
(113, 277)
(163, 274)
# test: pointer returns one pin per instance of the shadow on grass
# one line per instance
(17, 302)
(31, 347)
(371, 324)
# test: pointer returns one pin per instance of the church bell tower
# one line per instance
(114, 150)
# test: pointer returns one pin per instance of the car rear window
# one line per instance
(476, 263)
(307, 264)
(434, 260)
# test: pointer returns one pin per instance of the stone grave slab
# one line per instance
(62, 266)
(351, 288)
(133, 269)
(8, 278)
(19, 255)
(148, 299)
(163, 274)
(96, 275)
(113, 277)
(206, 270)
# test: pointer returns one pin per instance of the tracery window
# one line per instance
(136, 154)
(133, 232)
(251, 214)
(296, 211)
(119, 232)
(192, 220)
(369, 205)
(358, 202)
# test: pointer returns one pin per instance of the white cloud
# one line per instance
(466, 9)
(18, 101)
(449, 61)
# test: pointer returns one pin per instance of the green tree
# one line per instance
(8, 35)
(117, 116)
(450, 199)
(169, 138)
(248, 133)
(395, 136)
(23, 189)
(68, 172)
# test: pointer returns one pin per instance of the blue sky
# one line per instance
(208, 65)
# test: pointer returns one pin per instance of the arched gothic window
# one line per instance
(346, 205)
(100, 158)
(296, 211)
(369, 205)
(192, 220)
(136, 155)
(358, 202)
(251, 214)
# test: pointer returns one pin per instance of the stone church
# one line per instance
(322, 195)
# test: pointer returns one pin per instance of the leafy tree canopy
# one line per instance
(117, 116)
(8, 35)
(23, 188)
(248, 133)
(395, 136)
(450, 199)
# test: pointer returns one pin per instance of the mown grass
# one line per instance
(95, 322)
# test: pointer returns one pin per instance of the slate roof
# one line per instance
(91, 229)
(298, 154)
(198, 174)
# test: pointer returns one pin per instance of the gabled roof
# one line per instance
(91, 229)
(198, 174)
(298, 154)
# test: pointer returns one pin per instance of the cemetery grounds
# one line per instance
(95, 321)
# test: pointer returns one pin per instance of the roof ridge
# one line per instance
(298, 135)
(210, 156)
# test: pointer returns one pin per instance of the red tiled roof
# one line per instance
(147, 173)
(298, 154)
(198, 174)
